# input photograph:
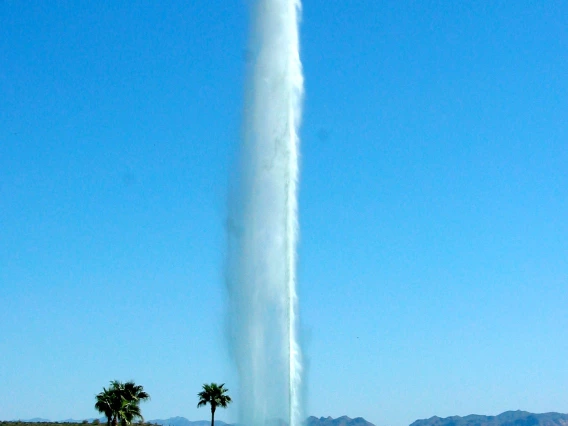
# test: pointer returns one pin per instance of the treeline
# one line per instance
(83, 423)
(120, 403)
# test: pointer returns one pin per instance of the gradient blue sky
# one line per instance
(434, 203)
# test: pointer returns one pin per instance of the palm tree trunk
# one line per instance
(212, 416)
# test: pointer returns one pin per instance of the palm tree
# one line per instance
(121, 402)
(118, 396)
(104, 404)
(216, 396)
(129, 411)
(134, 392)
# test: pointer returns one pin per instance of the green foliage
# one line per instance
(21, 423)
(121, 402)
(216, 396)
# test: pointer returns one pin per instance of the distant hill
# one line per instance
(508, 418)
(310, 421)
(340, 421)
(182, 421)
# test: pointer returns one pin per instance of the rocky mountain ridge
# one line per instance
(508, 418)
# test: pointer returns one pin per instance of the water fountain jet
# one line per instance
(263, 224)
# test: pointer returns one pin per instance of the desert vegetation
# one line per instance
(216, 396)
(121, 402)
(82, 423)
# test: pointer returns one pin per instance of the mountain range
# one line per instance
(310, 421)
(182, 421)
(340, 421)
(508, 418)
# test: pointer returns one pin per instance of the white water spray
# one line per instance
(263, 225)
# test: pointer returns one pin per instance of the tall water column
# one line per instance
(263, 223)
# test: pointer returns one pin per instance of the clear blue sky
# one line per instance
(434, 204)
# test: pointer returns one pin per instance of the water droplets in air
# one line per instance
(263, 224)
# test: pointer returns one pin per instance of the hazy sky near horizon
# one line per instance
(433, 262)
